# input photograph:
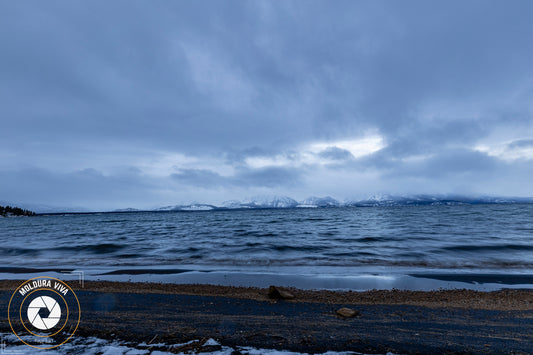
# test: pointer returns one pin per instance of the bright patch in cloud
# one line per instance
(165, 164)
(264, 161)
(321, 153)
(357, 147)
(514, 150)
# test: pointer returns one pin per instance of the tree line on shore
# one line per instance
(15, 211)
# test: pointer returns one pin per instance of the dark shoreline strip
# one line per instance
(502, 300)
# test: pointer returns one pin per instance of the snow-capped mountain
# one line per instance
(319, 202)
(310, 202)
(433, 200)
(129, 209)
(231, 204)
(329, 202)
(262, 202)
(191, 207)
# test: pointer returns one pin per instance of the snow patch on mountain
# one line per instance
(191, 207)
(320, 202)
(263, 202)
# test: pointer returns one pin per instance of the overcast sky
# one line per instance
(110, 104)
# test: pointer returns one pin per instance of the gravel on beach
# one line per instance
(444, 321)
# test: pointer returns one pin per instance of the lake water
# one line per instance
(320, 242)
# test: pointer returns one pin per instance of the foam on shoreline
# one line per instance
(358, 280)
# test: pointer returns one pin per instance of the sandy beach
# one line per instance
(448, 321)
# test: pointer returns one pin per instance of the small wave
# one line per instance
(351, 254)
(130, 256)
(182, 251)
(103, 248)
(25, 270)
(311, 248)
(18, 251)
(253, 244)
(373, 239)
(115, 221)
(256, 234)
(327, 234)
(494, 247)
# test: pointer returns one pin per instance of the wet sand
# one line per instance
(449, 321)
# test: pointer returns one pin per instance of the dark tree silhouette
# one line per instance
(15, 211)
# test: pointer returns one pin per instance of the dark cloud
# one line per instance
(335, 153)
(263, 177)
(87, 188)
(201, 177)
(170, 73)
(269, 177)
(460, 163)
(521, 143)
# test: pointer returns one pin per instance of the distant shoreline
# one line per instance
(11, 211)
(222, 209)
(287, 203)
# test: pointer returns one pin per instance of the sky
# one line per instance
(115, 104)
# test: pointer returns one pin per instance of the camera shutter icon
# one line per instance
(54, 315)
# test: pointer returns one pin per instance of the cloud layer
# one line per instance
(115, 104)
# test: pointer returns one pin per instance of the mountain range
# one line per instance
(269, 202)
(265, 202)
